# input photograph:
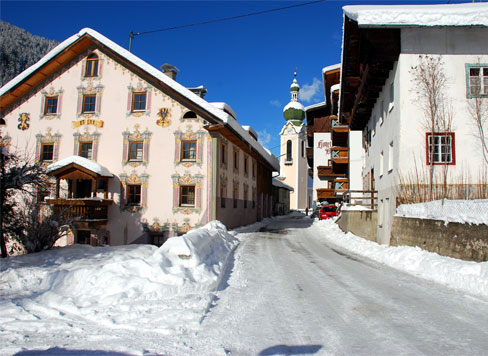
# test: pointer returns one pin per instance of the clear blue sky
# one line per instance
(247, 63)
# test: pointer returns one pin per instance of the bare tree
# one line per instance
(430, 82)
(478, 111)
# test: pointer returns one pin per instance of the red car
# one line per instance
(327, 212)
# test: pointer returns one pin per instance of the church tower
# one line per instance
(293, 160)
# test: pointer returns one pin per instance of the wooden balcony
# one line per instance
(83, 210)
(340, 155)
(326, 194)
(341, 185)
(326, 172)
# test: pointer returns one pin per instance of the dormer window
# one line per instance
(91, 68)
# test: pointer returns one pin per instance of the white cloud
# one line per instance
(309, 91)
(264, 137)
(275, 103)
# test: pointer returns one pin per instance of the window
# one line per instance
(187, 195)
(236, 160)
(47, 151)
(51, 105)
(139, 101)
(189, 115)
(440, 148)
(253, 170)
(135, 151)
(134, 194)
(246, 190)
(477, 80)
(246, 169)
(390, 157)
(86, 149)
(91, 68)
(382, 158)
(235, 194)
(303, 148)
(188, 150)
(288, 151)
(223, 153)
(89, 102)
(222, 195)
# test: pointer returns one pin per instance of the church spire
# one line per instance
(294, 110)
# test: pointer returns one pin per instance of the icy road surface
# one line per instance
(289, 293)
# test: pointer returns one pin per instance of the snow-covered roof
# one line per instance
(280, 184)
(156, 73)
(81, 161)
(295, 105)
(250, 130)
(315, 106)
(331, 67)
(226, 108)
(469, 14)
(335, 87)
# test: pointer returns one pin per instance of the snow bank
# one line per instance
(465, 276)
(459, 211)
(136, 287)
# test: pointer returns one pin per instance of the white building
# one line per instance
(383, 47)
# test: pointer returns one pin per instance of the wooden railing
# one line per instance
(366, 198)
(326, 193)
(82, 209)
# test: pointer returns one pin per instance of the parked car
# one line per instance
(327, 212)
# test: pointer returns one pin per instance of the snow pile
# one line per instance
(419, 15)
(136, 287)
(81, 161)
(465, 276)
(352, 207)
(459, 211)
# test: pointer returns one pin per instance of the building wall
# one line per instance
(398, 140)
(321, 156)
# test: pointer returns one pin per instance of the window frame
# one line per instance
(47, 106)
(43, 146)
(452, 145)
(189, 151)
(134, 95)
(90, 151)
(134, 194)
(289, 152)
(483, 80)
(92, 66)
(190, 194)
(84, 103)
(137, 150)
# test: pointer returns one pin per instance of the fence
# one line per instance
(366, 198)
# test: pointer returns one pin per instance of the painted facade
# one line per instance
(395, 139)
(177, 161)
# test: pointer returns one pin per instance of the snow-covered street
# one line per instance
(294, 288)
(293, 293)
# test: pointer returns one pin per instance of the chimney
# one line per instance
(170, 70)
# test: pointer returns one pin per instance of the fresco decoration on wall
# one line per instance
(131, 154)
(133, 179)
(48, 138)
(141, 88)
(24, 119)
(164, 115)
(189, 135)
(89, 90)
(48, 114)
(187, 180)
(87, 137)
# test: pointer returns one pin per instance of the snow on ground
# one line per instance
(139, 297)
(459, 211)
(466, 276)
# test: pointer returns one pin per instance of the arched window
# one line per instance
(288, 151)
(91, 69)
(303, 148)
(190, 115)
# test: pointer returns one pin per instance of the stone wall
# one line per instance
(463, 241)
(359, 222)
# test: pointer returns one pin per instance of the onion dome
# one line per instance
(294, 110)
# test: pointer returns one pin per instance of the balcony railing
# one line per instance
(326, 193)
(327, 172)
(341, 185)
(340, 155)
(82, 209)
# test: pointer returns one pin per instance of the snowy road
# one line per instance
(289, 293)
